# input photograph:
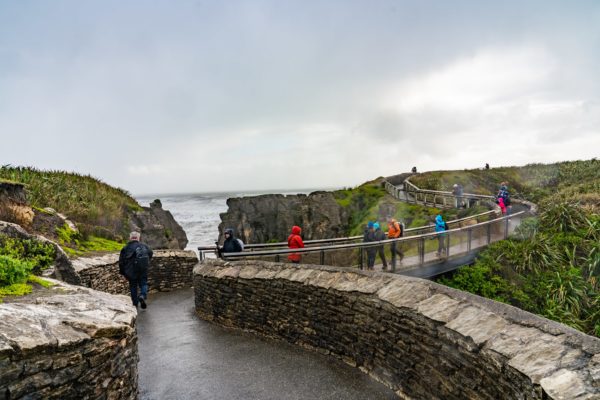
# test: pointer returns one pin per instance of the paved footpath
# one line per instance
(183, 357)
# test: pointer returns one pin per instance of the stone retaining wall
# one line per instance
(68, 342)
(423, 340)
(169, 269)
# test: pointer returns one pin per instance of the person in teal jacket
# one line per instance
(440, 226)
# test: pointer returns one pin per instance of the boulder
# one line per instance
(158, 227)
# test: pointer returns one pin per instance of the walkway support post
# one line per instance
(489, 233)
(422, 251)
(469, 238)
(322, 257)
(362, 261)
(506, 228)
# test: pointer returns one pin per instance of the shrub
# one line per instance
(14, 271)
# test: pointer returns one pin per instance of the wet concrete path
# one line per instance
(184, 357)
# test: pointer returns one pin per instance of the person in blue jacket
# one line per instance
(441, 226)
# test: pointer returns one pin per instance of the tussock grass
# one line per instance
(92, 204)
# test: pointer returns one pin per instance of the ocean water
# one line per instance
(198, 213)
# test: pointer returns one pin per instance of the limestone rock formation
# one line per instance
(13, 204)
(68, 342)
(158, 227)
(260, 219)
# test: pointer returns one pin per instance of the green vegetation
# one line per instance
(39, 254)
(97, 208)
(19, 261)
(552, 265)
(75, 244)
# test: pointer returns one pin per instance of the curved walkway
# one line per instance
(183, 357)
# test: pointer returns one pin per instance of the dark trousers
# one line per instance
(371, 252)
(396, 249)
(142, 283)
(381, 253)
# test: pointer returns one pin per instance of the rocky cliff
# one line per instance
(260, 219)
(158, 227)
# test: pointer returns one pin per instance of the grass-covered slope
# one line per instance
(552, 267)
(96, 208)
(371, 202)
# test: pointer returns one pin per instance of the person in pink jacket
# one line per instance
(295, 242)
(502, 205)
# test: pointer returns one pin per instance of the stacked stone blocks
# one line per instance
(423, 340)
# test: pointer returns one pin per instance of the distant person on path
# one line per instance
(295, 242)
(369, 236)
(380, 235)
(504, 194)
(395, 231)
(457, 191)
(414, 170)
(487, 166)
(231, 244)
(441, 226)
(134, 262)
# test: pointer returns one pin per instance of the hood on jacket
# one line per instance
(296, 230)
(376, 225)
(439, 219)
(370, 224)
(228, 230)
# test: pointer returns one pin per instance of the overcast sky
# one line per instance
(196, 96)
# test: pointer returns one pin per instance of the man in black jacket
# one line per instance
(134, 261)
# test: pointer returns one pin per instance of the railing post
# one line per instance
(277, 258)
(489, 233)
(447, 239)
(362, 261)
(322, 257)
(506, 228)
(421, 251)
(469, 238)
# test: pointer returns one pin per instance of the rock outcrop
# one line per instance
(260, 219)
(13, 204)
(158, 227)
(423, 340)
(68, 342)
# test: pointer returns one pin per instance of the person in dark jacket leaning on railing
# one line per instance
(231, 244)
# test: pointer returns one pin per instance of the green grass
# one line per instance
(87, 201)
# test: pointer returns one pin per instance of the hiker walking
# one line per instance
(295, 242)
(395, 231)
(380, 235)
(441, 226)
(134, 261)
(369, 236)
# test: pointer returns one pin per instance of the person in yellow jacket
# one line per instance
(395, 231)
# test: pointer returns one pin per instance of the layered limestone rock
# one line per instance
(158, 227)
(424, 340)
(260, 219)
(68, 342)
(169, 270)
(13, 204)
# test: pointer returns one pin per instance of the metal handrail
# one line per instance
(359, 237)
(424, 236)
(449, 194)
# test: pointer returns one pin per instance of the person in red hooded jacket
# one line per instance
(295, 242)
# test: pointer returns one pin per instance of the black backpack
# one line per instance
(141, 260)
(446, 227)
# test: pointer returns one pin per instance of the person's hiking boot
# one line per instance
(143, 303)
